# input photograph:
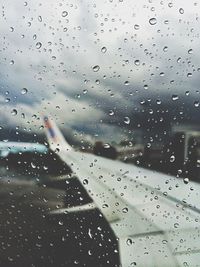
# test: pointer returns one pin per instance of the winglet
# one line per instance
(55, 137)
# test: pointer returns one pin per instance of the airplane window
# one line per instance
(100, 135)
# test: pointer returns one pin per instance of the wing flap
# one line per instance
(173, 248)
(86, 207)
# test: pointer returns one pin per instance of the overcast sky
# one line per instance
(101, 68)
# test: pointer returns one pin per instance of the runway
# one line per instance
(30, 236)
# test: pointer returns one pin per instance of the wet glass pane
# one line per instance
(99, 133)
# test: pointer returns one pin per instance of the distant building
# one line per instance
(187, 147)
(188, 133)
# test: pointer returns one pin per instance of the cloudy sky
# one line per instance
(101, 69)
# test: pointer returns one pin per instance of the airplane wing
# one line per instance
(154, 216)
(19, 147)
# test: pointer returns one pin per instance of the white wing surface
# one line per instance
(154, 216)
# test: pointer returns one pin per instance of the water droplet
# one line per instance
(181, 10)
(190, 51)
(38, 45)
(172, 158)
(85, 181)
(133, 263)
(40, 18)
(153, 21)
(12, 62)
(14, 112)
(57, 150)
(148, 145)
(176, 225)
(186, 180)
(103, 49)
(34, 36)
(125, 210)
(129, 242)
(90, 233)
(111, 112)
(33, 165)
(63, 238)
(162, 74)
(24, 91)
(189, 75)
(106, 145)
(10, 258)
(196, 104)
(187, 93)
(145, 86)
(136, 27)
(23, 116)
(127, 120)
(175, 97)
(64, 14)
(11, 29)
(60, 223)
(180, 171)
(96, 68)
(165, 48)
(126, 82)
(137, 62)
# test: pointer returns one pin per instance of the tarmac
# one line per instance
(31, 236)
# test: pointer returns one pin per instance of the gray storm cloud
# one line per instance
(143, 51)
